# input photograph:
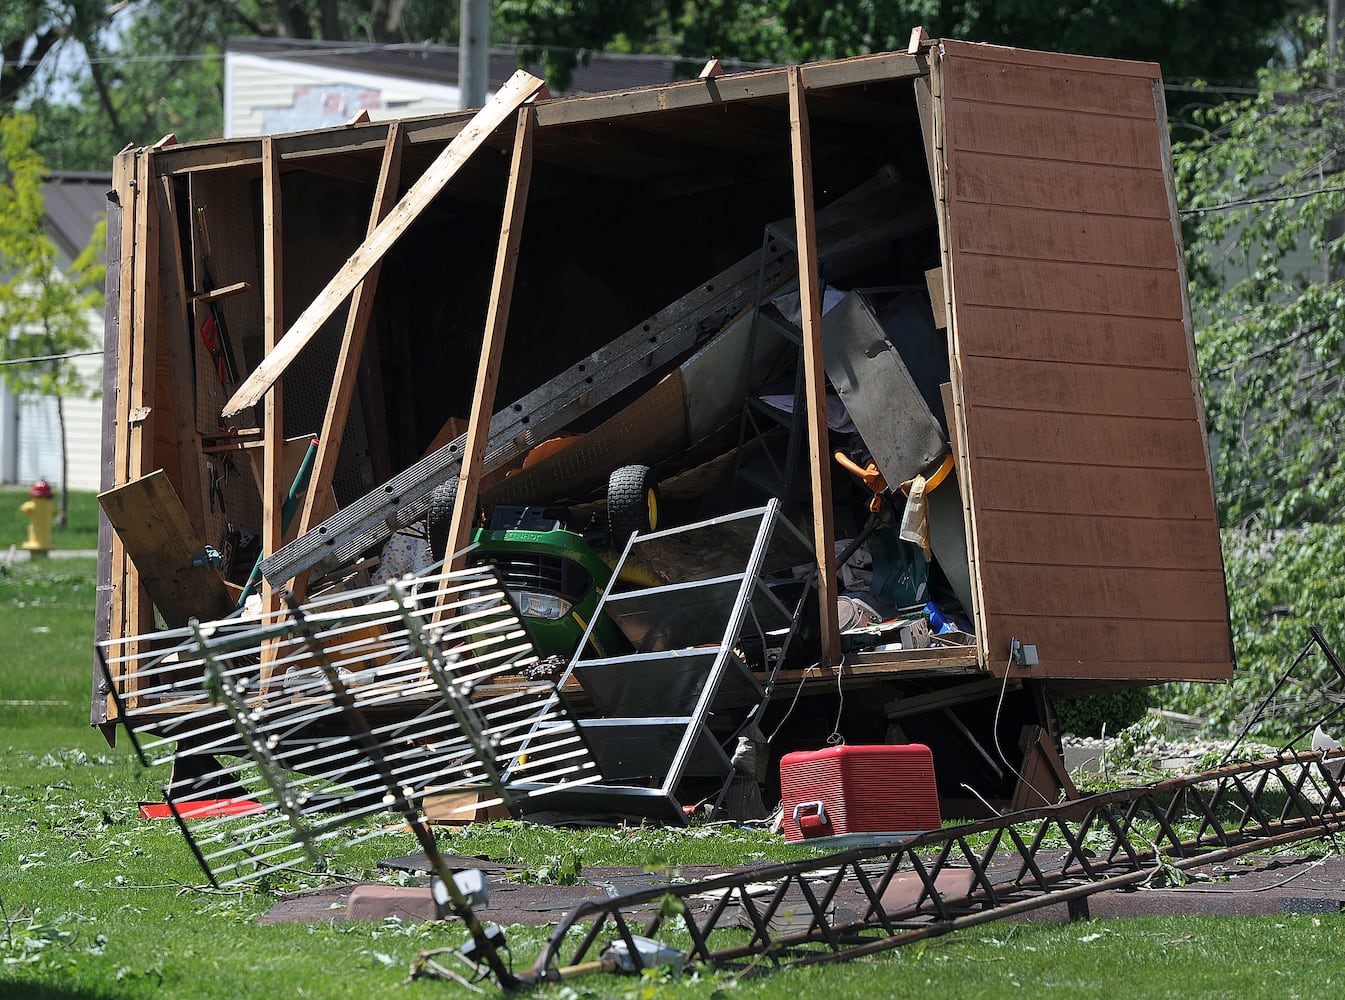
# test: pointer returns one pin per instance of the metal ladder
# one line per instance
(759, 417)
(664, 713)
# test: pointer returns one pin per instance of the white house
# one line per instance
(30, 437)
(274, 85)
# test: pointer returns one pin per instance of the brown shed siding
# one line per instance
(1093, 523)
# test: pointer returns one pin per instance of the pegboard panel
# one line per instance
(223, 252)
(325, 220)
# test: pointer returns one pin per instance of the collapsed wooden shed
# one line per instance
(1023, 201)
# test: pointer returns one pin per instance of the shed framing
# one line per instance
(1055, 261)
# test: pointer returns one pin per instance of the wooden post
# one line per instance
(492, 347)
(347, 363)
(273, 426)
(142, 330)
(814, 376)
(177, 341)
(121, 573)
(519, 88)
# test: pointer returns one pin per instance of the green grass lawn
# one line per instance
(96, 903)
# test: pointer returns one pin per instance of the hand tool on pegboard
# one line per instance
(213, 330)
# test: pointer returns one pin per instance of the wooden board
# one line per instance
(154, 528)
(176, 351)
(500, 107)
(1076, 337)
(1015, 484)
(1051, 234)
(1062, 387)
(1106, 189)
(1087, 475)
(492, 346)
(814, 375)
(1051, 286)
(717, 94)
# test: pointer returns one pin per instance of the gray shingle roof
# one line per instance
(74, 202)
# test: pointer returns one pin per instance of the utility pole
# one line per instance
(1335, 227)
(474, 53)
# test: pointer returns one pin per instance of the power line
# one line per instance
(335, 49)
(1242, 202)
(51, 357)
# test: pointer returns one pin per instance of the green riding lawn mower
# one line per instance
(555, 562)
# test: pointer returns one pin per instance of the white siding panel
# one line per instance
(39, 435)
(39, 441)
(276, 95)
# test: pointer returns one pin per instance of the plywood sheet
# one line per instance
(1134, 192)
(1089, 539)
(1046, 133)
(1142, 649)
(1061, 387)
(1139, 290)
(1079, 338)
(149, 519)
(1094, 531)
(1051, 234)
(1084, 439)
(1017, 484)
(1082, 89)
(1136, 593)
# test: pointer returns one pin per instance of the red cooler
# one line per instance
(846, 790)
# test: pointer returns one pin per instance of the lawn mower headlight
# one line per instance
(532, 604)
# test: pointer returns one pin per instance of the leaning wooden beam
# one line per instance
(273, 414)
(352, 347)
(814, 378)
(143, 330)
(120, 572)
(497, 321)
(177, 343)
(506, 100)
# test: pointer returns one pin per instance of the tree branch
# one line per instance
(17, 70)
(1265, 352)
(1261, 201)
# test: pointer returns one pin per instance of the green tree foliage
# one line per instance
(1106, 712)
(43, 309)
(1175, 34)
(1278, 584)
(1261, 184)
(156, 66)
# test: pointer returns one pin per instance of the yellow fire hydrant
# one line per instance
(38, 508)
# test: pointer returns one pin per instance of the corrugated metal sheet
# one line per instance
(1094, 530)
